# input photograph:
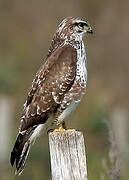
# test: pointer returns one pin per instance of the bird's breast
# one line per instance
(81, 69)
(78, 88)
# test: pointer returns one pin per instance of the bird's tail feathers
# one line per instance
(22, 147)
(20, 151)
(21, 163)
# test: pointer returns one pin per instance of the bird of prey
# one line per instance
(57, 88)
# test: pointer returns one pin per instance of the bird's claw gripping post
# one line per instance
(62, 128)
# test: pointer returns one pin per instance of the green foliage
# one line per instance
(8, 81)
(97, 124)
(94, 165)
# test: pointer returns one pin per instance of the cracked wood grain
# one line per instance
(68, 157)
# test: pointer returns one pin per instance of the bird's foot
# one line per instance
(64, 130)
(71, 130)
(60, 129)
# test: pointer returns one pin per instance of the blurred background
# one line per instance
(26, 31)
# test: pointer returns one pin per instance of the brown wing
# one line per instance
(52, 81)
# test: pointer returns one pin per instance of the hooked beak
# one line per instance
(89, 30)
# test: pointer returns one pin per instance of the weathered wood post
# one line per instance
(67, 153)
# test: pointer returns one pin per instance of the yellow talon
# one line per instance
(72, 130)
(62, 128)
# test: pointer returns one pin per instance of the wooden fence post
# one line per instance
(67, 153)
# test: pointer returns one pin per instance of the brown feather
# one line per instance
(52, 81)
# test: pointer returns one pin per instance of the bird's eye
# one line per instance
(81, 25)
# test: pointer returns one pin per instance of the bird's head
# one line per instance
(73, 28)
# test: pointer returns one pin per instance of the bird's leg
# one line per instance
(62, 127)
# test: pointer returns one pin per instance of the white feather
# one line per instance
(36, 133)
(67, 111)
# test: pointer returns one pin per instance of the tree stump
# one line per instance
(67, 154)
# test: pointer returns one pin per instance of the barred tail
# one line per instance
(20, 152)
(22, 147)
